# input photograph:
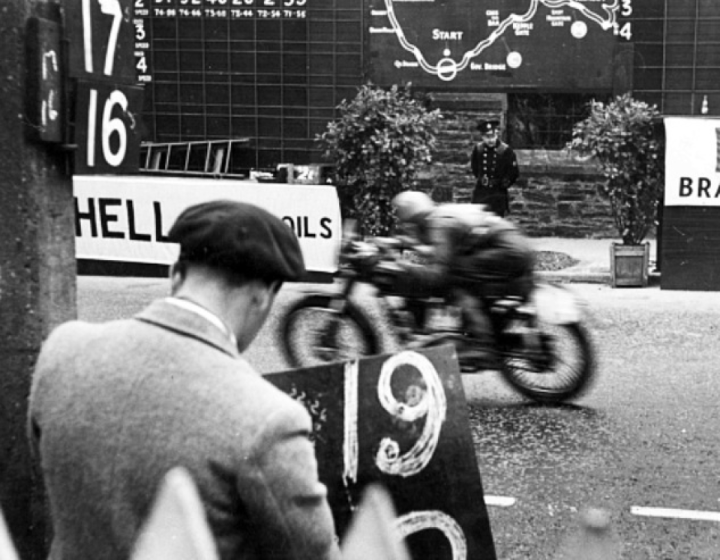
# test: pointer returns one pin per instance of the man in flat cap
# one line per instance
(115, 406)
(495, 168)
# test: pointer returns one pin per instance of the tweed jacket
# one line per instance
(114, 406)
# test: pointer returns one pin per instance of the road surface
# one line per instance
(642, 444)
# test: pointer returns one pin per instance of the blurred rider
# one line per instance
(475, 257)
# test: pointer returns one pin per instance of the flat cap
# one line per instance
(239, 237)
(488, 125)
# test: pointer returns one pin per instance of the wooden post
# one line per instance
(629, 264)
(593, 539)
(7, 548)
(37, 270)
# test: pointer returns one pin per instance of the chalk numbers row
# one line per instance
(142, 7)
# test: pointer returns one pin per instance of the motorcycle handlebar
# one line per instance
(363, 256)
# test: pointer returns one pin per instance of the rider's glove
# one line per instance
(385, 274)
(365, 257)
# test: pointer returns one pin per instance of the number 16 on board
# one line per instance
(107, 128)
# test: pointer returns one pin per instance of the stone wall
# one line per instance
(37, 271)
(556, 195)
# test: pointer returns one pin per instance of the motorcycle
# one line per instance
(540, 345)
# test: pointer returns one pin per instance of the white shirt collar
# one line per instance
(208, 315)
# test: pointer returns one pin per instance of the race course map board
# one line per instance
(500, 44)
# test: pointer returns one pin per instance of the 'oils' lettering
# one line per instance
(303, 228)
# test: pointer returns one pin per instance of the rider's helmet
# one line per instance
(412, 206)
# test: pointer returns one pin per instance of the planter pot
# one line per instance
(629, 264)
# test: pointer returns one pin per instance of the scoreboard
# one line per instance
(102, 84)
(222, 10)
(274, 71)
(269, 70)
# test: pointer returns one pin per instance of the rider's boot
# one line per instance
(481, 353)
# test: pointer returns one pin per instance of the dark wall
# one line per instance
(691, 237)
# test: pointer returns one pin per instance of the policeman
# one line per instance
(495, 168)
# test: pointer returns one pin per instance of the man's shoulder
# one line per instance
(65, 333)
(246, 400)
(462, 213)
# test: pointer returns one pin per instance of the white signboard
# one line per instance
(692, 161)
(127, 218)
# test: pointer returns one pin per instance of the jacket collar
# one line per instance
(184, 321)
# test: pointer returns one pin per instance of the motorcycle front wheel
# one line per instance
(562, 370)
(313, 332)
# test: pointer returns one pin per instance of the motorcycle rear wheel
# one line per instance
(567, 371)
(313, 333)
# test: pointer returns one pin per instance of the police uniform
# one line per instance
(495, 169)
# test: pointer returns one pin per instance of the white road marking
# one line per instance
(500, 501)
(672, 513)
(676, 513)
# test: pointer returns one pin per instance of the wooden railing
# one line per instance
(211, 158)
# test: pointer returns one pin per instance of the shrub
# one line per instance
(380, 141)
(629, 147)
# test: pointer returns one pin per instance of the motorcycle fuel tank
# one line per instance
(557, 305)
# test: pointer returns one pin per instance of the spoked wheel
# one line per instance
(313, 333)
(560, 370)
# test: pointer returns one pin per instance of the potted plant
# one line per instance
(626, 141)
(379, 142)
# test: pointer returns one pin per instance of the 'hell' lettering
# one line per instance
(106, 218)
(103, 216)
(132, 232)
